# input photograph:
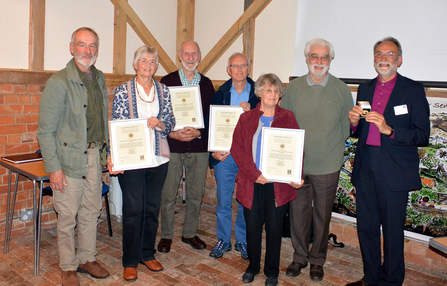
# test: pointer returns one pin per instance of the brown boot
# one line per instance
(70, 278)
(94, 269)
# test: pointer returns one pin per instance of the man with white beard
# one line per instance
(72, 129)
(386, 164)
(189, 148)
(321, 103)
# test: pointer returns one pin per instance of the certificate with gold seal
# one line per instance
(130, 144)
(187, 106)
(223, 120)
(282, 154)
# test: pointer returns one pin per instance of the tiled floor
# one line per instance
(184, 265)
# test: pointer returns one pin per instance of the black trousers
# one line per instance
(141, 205)
(264, 211)
(378, 205)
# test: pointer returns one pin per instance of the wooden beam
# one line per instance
(36, 35)
(119, 41)
(144, 34)
(248, 38)
(185, 23)
(231, 35)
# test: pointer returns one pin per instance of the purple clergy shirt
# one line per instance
(381, 96)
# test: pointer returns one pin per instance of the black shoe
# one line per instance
(248, 277)
(316, 272)
(195, 242)
(164, 246)
(294, 269)
(359, 283)
(271, 281)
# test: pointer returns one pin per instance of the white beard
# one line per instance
(318, 74)
(81, 62)
(187, 68)
(393, 68)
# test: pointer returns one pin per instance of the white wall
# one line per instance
(14, 27)
(62, 17)
(274, 32)
(274, 35)
(160, 17)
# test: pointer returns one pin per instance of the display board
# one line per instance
(354, 26)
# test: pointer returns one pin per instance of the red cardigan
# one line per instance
(241, 150)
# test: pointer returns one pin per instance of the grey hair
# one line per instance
(319, 42)
(180, 47)
(145, 50)
(84, 29)
(270, 79)
(238, 54)
(392, 40)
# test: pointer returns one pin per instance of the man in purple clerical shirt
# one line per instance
(386, 163)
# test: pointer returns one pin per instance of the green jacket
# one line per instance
(62, 127)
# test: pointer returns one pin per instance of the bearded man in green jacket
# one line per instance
(71, 131)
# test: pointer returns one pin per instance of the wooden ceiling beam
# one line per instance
(185, 23)
(36, 51)
(145, 35)
(231, 35)
(119, 41)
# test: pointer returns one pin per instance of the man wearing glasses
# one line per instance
(321, 104)
(386, 164)
(239, 91)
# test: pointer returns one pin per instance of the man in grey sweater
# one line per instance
(321, 103)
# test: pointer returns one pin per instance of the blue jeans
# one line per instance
(225, 173)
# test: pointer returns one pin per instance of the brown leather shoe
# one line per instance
(94, 269)
(294, 269)
(195, 242)
(153, 265)
(316, 272)
(358, 283)
(130, 274)
(70, 278)
(164, 245)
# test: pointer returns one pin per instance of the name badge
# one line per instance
(400, 109)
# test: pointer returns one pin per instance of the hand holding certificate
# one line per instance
(187, 106)
(130, 142)
(282, 154)
(223, 120)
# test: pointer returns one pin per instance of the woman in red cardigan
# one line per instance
(264, 202)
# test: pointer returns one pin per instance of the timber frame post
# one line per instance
(36, 35)
(248, 38)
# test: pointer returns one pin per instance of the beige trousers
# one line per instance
(79, 207)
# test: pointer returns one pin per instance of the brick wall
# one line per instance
(19, 108)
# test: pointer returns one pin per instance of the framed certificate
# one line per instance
(130, 144)
(223, 120)
(187, 106)
(282, 154)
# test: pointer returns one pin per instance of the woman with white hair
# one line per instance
(264, 202)
(143, 97)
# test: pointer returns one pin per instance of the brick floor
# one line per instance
(184, 265)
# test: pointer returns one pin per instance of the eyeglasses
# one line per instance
(238, 66)
(389, 55)
(146, 61)
(269, 91)
(315, 57)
